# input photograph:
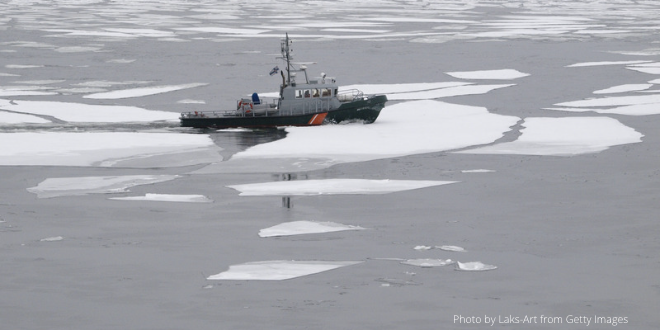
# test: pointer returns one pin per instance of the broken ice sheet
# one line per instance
(332, 187)
(276, 270)
(564, 137)
(427, 262)
(305, 227)
(75, 186)
(142, 91)
(474, 266)
(167, 198)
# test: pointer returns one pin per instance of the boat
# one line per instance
(310, 102)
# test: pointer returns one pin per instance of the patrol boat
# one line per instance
(309, 103)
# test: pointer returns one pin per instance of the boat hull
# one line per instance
(366, 110)
(198, 121)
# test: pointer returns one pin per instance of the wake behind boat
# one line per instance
(309, 103)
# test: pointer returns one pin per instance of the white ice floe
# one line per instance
(564, 137)
(167, 198)
(474, 266)
(305, 227)
(402, 129)
(332, 187)
(106, 149)
(427, 262)
(76, 186)
(19, 118)
(503, 74)
(142, 91)
(86, 113)
(477, 171)
(638, 105)
(189, 101)
(651, 70)
(583, 64)
(451, 248)
(51, 239)
(624, 88)
(278, 269)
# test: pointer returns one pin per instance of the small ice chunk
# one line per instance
(477, 171)
(422, 247)
(276, 270)
(452, 248)
(52, 239)
(305, 227)
(474, 266)
(167, 198)
(428, 262)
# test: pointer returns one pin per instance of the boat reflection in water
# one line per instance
(286, 200)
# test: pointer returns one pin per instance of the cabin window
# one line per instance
(307, 93)
(315, 92)
(326, 92)
(299, 93)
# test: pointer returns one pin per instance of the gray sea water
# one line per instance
(573, 237)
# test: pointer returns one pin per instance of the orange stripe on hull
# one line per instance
(317, 119)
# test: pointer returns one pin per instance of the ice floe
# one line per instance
(503, 74)
(143, 91)
(167, 198)
(19, 118)
(427, 262)
(86, 113)
(564, 137)
(583, 64)
(332, 187)
(402, 129)
(76, 186)
(52, 239)
(278, 269)
(451, 248)
(637, 105)
(624, 88)
(479, 170)
(135, 149)
(305, 227)
(474, 266)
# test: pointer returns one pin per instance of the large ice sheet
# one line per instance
(276, 270)
(402, 129)
(86, 113)
(305, 227)
(636, 105)
(75, 186)
(332, 187)
(106, 149)
(564, 137)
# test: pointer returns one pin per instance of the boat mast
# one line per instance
(286, 54)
